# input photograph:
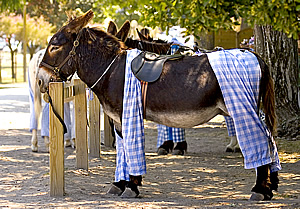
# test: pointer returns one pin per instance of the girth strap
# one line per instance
(144, 95)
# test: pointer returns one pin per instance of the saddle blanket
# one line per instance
(131, 148)
(238, 73)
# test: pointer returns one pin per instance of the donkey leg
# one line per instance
(274, 180)
(165, 148)
(233, 142)
(131, 189)
(180, 148)
(262, 189)
(34, 141)
(47, 142)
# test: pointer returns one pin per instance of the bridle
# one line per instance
(72, 53)
(56, 72)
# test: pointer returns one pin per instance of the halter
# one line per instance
(72, 53)
(56, 71)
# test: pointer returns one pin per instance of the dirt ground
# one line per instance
(206, 177)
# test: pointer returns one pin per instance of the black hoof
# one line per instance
(229, 149)
(237, 150)
(114, 190)
(129, 193)
(162, 151)
(178, 152)
(257, 197)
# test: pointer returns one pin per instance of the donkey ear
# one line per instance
(78, 23)
(70, 16)
(124, 31)
(141, 36)
(112, 28)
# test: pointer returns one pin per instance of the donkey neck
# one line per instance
(95, 55)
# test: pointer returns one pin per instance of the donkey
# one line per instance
(186, 94)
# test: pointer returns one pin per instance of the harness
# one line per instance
(72, 53)
(56, 71)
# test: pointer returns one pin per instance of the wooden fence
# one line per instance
(76, 92)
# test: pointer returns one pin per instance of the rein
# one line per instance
(57, 115)
(106, 70)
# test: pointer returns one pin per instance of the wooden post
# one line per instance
(108, 138)
(81, 124)
(56, 136)
(94, 126)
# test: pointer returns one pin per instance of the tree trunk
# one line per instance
(281, 55)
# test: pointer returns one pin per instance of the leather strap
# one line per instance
(144, 95)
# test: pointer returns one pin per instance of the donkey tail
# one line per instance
(267, 94)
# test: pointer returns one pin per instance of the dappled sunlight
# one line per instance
(289, 158)
(6, 148)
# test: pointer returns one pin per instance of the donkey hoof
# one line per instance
(178, 152)
(237, 150)
(162, 151)
(34, 148)
(229, 149)
(68, 143)
(257, 197)
(73, 144)
(129, 193)
(114, 190)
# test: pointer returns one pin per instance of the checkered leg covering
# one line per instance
(131, 150)
(230, 126)
(238, 73)
(165, 133)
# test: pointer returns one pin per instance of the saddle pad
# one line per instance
(238, 73)
(148, 66)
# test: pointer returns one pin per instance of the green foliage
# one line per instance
(211, 15)
(282, 15)
(10, 5)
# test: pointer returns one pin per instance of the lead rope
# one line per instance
(57, 115)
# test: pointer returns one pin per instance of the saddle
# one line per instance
(148, 66)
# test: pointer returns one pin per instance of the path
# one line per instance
(206, 177)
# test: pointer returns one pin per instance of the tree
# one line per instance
(38, 31)
(11, 29)
(277, 29)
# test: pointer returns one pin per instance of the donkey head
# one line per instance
(61, 51)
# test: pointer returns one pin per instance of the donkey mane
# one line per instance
(159, 48)
(97, 41)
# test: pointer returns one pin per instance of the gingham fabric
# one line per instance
(131, 149)
(230, 126)
(165, 133)
(238, 73)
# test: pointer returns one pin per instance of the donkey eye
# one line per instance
(54, 48)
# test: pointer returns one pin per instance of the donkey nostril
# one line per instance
(40, 82)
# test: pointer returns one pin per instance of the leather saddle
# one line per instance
(148, 66)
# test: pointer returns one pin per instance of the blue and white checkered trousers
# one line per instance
(131, 149)
(165, 133)
(238, 73)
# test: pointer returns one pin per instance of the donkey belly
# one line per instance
(188, 118)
